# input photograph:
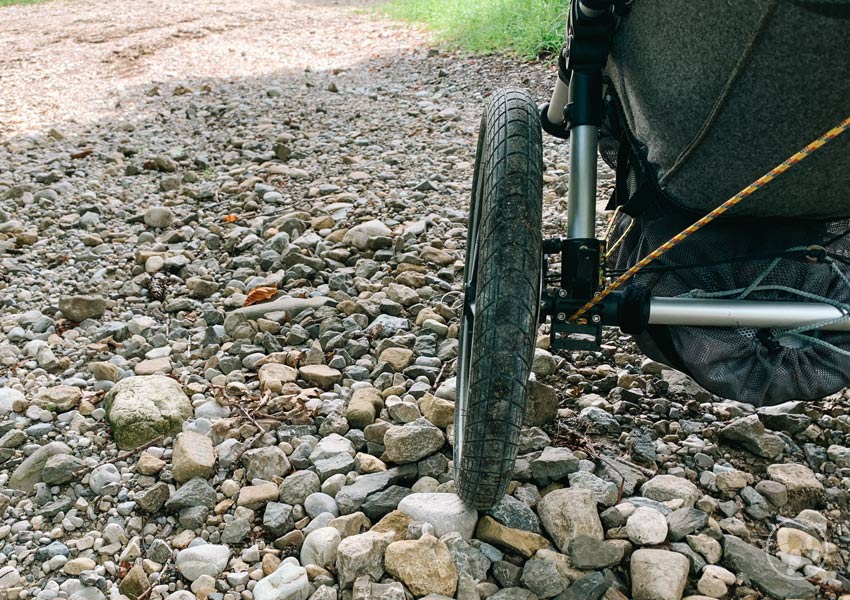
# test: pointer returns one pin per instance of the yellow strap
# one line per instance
(758, 183)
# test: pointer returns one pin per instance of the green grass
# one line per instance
(525, 28)
(11, 2)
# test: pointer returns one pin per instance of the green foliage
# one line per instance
(11, 2)
(525, 28)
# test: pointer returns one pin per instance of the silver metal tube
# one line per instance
(581, 200)
(703, 312)
(560, 97)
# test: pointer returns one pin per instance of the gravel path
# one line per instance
(162, 164)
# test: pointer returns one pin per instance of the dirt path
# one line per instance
(81, 60)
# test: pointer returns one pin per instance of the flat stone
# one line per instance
(195, 492)
(445, 512)
(553, 464)
(273, 376)
(360, 555)
(28, 473)
(80, 308)
(749, 433)
(669, 487)
(685, 521)
(516, 514)
(256, 496)
(522, 542)
(766, 572)
(646, 527)
(321, 376)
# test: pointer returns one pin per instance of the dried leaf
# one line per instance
(260, 294)
(82, 153)
(231, 218)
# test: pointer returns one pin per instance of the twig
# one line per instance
(439, 376)
(148, 591)
(247, 414)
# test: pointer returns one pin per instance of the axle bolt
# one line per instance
(562, 293)
(596, 318)
(562, 316)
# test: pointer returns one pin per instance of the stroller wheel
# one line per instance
(501, 297)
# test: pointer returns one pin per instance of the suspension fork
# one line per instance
(575, 112)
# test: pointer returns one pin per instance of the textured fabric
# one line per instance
(717, 93)
(738, 363)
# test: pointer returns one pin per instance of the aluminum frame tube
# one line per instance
(704, 312)
(560, 97)
(581, 200)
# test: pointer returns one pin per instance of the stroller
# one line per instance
(740, 281)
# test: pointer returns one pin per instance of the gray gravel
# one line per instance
(160, 439)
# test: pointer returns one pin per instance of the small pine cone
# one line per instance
(156, 288)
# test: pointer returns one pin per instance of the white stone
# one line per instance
(658, 574)
(203, 559)
(445, 512)
(646, 527)
(288, 582)
(319, 547)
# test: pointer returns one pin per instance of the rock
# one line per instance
(300, 484)
(795, 542)
(149, 464)
(140, 409)
(425, 566)
(541, 406)
(646, 527)
(522, 542)
(277, 518)
(28, 473)
(398, 358)
(840, 455)
(469, 561)
(365, 403)
(566, 514)
(135, 583)
(288, 582)
(195, 492)
(775, 492)
(445, 512)
(273, 376)
(320, 547)
(321, 376)
(266, 463)
(749, 433)
(10, 399)
(412, 441)
(604, 492)
(658, 574)
(766, 572)
(669, 487)
(803, 488)
(541, 577)
(367, 236)
(437, 410)
(714, 581)
(61, 468)
(513, 513)
(553, 464)
(80, 308)
(587, 552)
(589, 587)
(105, 479)
(257, 496)
(159, 217)
(395, 522)
(707, 546)
(152, 499)
(193, 456)
(60, 398)
(513, 593)
(203, 559)
(685, 521)
(359, 555)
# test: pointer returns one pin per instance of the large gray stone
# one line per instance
(140, 409)
(408, 443)
(766, 572)
(669, 487)
(749, 433)
(28, 472)
(361, 554)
